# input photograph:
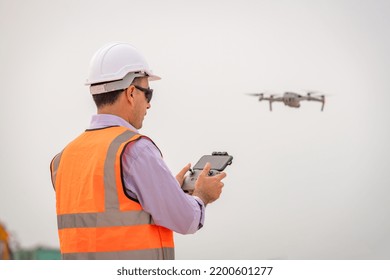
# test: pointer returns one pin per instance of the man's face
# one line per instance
(141, 103)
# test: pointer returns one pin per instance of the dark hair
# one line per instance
(106, 98)
(109, 98)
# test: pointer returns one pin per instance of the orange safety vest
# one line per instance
(96, 219)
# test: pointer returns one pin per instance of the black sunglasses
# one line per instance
(147, 91)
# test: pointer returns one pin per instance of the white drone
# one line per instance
(291, 99)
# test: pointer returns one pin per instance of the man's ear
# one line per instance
(129, 93)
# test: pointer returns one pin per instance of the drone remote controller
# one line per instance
(218, 160)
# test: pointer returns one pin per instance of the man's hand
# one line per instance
(208, 188)
(180, 176)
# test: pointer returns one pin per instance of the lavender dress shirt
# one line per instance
(148, 179)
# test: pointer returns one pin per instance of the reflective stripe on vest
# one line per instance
(96, 220)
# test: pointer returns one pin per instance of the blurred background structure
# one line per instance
(10, 249)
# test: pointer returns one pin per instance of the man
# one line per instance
(115, 196)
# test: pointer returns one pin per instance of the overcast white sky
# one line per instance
(304, 184)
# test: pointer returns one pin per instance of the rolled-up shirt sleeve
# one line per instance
(148, 179)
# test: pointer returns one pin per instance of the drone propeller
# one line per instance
(260, 95)
(255, 94)
(317, 93)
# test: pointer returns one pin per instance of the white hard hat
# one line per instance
(114, 67)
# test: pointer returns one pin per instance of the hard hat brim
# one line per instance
(152, 77)
(121, 84)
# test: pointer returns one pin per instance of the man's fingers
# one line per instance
(182, 173)
(206, 170)
(184, 170)
(221, 175)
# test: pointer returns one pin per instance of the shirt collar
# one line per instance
(105, 120)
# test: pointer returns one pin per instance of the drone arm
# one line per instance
(323, 102)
